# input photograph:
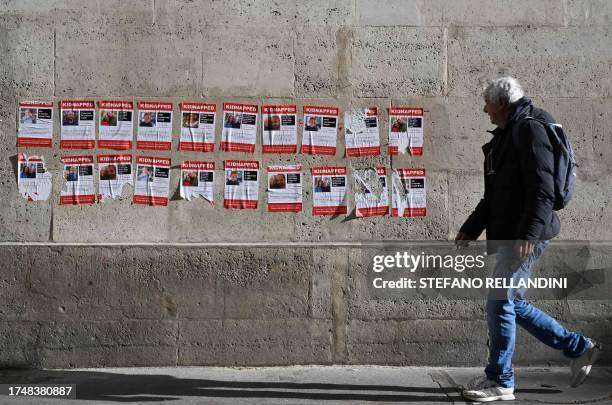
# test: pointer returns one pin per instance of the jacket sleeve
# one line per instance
(537, 170)
(477, 221)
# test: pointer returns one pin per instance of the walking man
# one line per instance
(517, 213)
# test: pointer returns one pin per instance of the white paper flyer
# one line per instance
(285, 188)
(241, 184)
(152, 180)
(198, 180)
(35, 127)
(114, 172)
(33, 181)
(409, 193)
(329, 191)
(78, 129)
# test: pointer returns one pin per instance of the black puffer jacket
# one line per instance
(519, 186)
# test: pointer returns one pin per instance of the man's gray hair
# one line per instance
(506, 89)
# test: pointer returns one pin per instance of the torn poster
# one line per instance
(35, 126)
(78, 129)
(279, 129)
(241, 184)
(285, 188)
(79, 180)
(329, 191)
(154, 126)
(320, 130)
(115, 171)
(33, 181)
(116, 125)
(409, 192)
(239, 127)
(197, 127)
(405, 130)
(371, 192)
(152, 180)
(198, 180)
(361, 132)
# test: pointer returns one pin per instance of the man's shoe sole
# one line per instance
(505, 397)
(581, 377)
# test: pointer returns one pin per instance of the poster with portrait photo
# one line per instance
(152, 180)
(409, 193)
(371, 192)
(279, 129)
(78, 180)
(35, 124)
(329, 191)
(33, 180)
(239, 127)
(241, 184)
(320, 130)
(114, 172)
(197, 180)
(285, 188)
(154, 125)
(78, 125)
(197, 127)
(406, 130)
(361, 134)
(116, 124)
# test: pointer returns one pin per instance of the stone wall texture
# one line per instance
(193, 284)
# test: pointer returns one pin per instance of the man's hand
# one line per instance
(524, 248)
(462, 239)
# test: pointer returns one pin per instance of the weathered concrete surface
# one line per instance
(298, 306)
(86, 306)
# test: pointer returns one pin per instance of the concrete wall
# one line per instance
(140, 307)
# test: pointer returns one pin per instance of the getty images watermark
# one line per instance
(425, 270)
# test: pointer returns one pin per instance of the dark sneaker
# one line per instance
(581, 366)
(488, 391)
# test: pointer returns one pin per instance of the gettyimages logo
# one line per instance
(411, 262)
(431, 270)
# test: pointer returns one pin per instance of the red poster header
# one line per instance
(198, 107)
(279, 109)
(241, 164)
(114, 158)
(187, 165)
(78, 104)
(321, 110)
(285, 169)
(405, 111)
(34, 159)
(155, 106)
(371, 111)
(407, 172)
(75, 160)
(338, 170)
(251, 108)
(381, 171)
(153, 160)
(116, 104)
(36, 104)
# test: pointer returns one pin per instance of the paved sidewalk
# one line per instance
(301, 385)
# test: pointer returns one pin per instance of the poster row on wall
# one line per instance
(149, 176)
(279, 124)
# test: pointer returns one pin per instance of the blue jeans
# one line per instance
(508, 309)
